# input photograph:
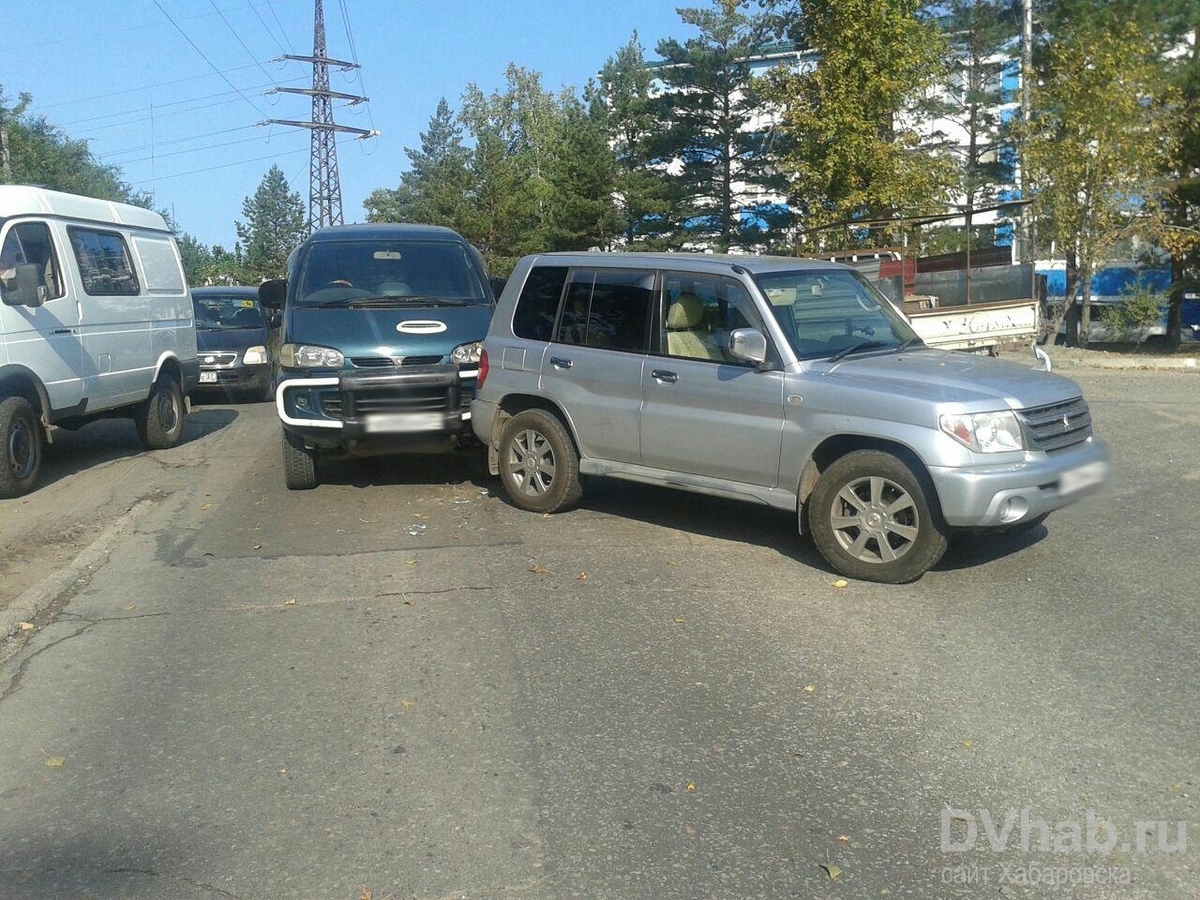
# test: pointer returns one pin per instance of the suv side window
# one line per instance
(608, 308)
(104, 263)
(537, 307)
(29, 243)
(700, 311)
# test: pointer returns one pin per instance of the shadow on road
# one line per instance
(406, 469)
(966, 551)
(108, 440)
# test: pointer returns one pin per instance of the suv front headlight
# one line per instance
(308, 356)
(993, 432)
(466, 354)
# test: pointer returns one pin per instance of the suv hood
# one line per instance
(376, 332)
(941, 376)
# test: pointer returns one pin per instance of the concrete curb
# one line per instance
(35, 600)
(1132, 362)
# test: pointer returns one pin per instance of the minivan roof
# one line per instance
(23, 200)
(383, 232)
(226, 290)
(706, 262)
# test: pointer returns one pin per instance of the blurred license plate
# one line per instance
(1085, 476)
(405, 422)
(208, 377)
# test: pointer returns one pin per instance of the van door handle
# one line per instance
(664, 375)
(560, 363)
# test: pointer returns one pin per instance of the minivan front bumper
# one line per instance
(1008, 494)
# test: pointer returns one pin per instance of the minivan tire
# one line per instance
(299, 464)
(159, 418)
(21, 446)
(539, 466)
(891, 532)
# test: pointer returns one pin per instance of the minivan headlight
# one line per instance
(993, 432)
(466, 354)
(308, 356)
(255, 356)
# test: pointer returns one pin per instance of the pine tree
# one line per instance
(582, 178)
(275, 225)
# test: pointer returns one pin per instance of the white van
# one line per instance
(95, 320)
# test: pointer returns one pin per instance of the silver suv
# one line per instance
(780, 381)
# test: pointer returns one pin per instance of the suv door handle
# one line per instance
(664, 375)
(559, 362)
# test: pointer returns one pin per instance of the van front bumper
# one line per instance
(1008, 494)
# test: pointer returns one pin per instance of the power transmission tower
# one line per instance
(324, 187)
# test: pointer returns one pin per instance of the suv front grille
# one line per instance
(1056, 425)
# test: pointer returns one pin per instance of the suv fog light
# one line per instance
(1013, 508)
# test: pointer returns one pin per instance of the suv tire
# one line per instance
(159, 418)
(539, 466)
(299, 464)
(873, 518)
(20, 447)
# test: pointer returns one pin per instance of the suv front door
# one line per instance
(703, 413)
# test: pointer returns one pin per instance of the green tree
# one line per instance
(582, 177)
(1100, 139)
(433, 189)
(853, 152)
(633, 118)
(275, 225)
(711, 106)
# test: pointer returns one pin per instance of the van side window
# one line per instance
(104, 263)
(608, 308)
(29, 243)
(537, 307)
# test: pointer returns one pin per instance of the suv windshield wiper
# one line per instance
(856, 348)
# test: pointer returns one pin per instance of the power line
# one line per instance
(354, 58)
(129, 112)
(126, 162)
(230, 165)
(266, 27)
(90, 36)
(206, 59)
(135, 90)
(237, 37)
(282, 30)
(183, 140)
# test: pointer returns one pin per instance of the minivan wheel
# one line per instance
(299, 463)
(159, 418)
(875, 519)
(21, 445)
(539, 466)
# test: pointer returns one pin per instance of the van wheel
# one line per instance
(21, 442)
(159, 419)
(539, 466)
(875, 519)
(299, 464)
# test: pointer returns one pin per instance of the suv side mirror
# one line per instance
(748, 345)
(28, 288)
(273, 293)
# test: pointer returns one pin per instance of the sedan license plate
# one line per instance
(1085, 476)
(208, 377)
(401, 422)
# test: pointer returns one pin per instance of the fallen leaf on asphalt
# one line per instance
(678, 621)
(410, 562)
(840, 583)
(256, 547)
(420, 516)
(291, 601)
(844, 838)
(691, 786)
(406, 703)
(206, 506)
(25, 626)
(968, 743)
(368, 521)
(581, 577)
(689, 830)
(809, 688)
(832, 871)
(539, 569)
(131, 607)
(56, 762)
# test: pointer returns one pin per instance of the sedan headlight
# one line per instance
(466, 354)
(993, 432)
(307, 356)
(255, 356)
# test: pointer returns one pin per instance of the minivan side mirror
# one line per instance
(748, 345)
(273, 293)
(28, 288)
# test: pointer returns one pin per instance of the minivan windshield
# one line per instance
(372, 273)
(833, 313)
(227, 312)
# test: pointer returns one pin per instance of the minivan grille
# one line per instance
(412, 399)
(1056, 425)
(387, 362)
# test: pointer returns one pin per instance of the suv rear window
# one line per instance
(608, 308)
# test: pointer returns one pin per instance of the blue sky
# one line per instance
(123, 76)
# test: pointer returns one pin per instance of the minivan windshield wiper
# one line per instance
(385, 301)
(858, 348)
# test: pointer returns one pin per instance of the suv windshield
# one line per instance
(222, 313)
(392, 273)
(834, 312)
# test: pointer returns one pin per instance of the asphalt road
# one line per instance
(398, 683)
